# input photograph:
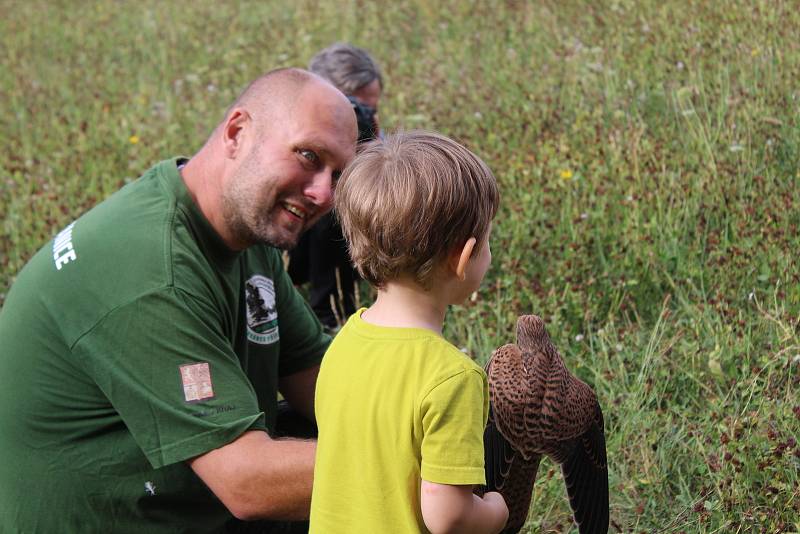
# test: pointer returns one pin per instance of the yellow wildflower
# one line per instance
(566, 174)
(133, 139)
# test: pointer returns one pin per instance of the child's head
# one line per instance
(407, 202)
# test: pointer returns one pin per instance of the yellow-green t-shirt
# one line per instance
(394, 406)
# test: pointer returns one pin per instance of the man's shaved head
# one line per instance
(268, 169)
(278, 88)
(276, 92)
(283, 144)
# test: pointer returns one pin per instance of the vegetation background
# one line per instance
(648, 156)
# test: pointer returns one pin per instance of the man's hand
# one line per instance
(257, 477)
(298, 390)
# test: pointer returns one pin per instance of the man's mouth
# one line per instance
(297, 211)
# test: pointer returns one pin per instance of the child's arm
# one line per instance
(447, 508)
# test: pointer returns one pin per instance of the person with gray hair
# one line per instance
(321, 257)
(351, 70)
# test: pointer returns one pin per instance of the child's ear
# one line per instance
(460, 258)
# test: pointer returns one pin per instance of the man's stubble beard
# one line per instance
(244, 219)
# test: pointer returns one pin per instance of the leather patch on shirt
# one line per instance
(196, 378)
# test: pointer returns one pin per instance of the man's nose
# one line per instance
(320, 189)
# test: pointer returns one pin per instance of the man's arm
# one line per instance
(298, 390)
(447, 508)
(257, 477)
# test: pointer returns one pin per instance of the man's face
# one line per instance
(369, 94)
(285, 181)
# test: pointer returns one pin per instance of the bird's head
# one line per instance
(531, 333)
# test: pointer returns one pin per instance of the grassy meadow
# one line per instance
(648, 154)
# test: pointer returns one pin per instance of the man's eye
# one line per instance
(310, 155)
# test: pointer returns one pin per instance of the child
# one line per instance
(401, 411)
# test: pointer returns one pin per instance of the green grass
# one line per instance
(648, 157)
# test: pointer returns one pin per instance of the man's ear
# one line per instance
(460, 258)
(232, 130)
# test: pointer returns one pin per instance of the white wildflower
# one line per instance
(595, 66)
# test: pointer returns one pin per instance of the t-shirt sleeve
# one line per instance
(170, 373)
(453, 417)
(303, 342)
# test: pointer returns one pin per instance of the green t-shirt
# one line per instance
(393, 406)
(134, 341)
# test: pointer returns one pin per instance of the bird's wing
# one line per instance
(586, 477)
(564, 421)
(564, 408)
(510, 474)
(508, 394)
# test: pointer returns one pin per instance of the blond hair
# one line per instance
(408, 201)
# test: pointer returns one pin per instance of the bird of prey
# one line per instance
(537, 407)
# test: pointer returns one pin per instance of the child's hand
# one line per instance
(497, 504)
(447, 509)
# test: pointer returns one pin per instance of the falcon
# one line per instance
(538, 408)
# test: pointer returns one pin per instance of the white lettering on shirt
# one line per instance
(63, 252)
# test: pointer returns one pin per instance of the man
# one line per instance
(142, 350)
(321, 257)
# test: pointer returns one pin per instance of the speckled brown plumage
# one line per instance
(539, 408)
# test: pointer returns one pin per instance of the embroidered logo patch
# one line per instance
(196, 378)
(262, 314)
